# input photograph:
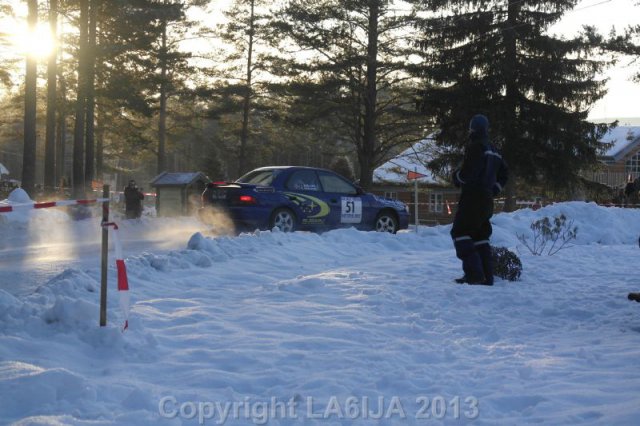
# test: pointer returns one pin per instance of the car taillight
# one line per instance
(247, 199)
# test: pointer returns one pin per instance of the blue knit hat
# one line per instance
(479, 125)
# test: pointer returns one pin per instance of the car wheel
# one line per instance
(386, 222)
(284, 219)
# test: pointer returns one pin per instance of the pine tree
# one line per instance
(78, 181)
(172, 67)
(121, 82)
(495, 57)
(241, 96)
(90, 102)
(29, 152)
(52, 101)
(6, 10)
(350, 62)
(628, 44)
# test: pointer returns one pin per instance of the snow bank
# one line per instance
(313, 320)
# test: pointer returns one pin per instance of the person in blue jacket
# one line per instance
(481, 177)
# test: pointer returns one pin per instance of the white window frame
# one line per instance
(632, 165)
(436, 202)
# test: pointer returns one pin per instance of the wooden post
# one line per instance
(105, 257)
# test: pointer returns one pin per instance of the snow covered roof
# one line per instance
(177, 179)
(412, 159)
(624, 139)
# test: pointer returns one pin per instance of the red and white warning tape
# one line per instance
(60, 203)
(123, 281)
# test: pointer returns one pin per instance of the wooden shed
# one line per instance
(178, 194)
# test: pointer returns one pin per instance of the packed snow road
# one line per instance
(35, 251)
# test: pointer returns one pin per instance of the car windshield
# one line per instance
(259, 177)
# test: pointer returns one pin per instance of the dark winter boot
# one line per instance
(484, 251)
(634, 296)
(471, 262)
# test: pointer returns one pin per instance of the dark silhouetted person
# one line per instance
(631, 193)
(481, 177)
(133, 200)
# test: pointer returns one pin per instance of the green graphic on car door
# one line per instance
(315, 209)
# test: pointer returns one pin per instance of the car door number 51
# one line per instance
(351, 211)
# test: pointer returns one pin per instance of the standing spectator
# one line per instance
(482, 176)
(133, 200)
(630, 193)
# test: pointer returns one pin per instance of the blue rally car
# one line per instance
(293, 198)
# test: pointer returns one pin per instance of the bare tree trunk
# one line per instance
(52, 76)
(510, 99)
(162, 119)
(78, 131)
(99, 148)
(29, 153)
(99, 130)
(244, 136)
(371, 96)
(89, 171)
(61, 131)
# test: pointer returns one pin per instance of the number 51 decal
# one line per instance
(351, 211)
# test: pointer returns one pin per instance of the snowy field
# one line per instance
(345, 327)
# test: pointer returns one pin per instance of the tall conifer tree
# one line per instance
(351, 57)
(81, 102)
(52, 79)
(240, 64)
(629, 44)
(172, 63)
(6, 9)
(30, 86)
(496, 57)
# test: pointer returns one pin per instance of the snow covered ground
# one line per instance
(345, 327)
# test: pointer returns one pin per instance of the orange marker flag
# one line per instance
(414, 175)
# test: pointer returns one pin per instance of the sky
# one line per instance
(623, 98)
(304, 319)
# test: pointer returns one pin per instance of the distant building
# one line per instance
(621, 161)
(437, 199)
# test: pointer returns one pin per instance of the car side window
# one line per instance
(334, 183)
(303, 180)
